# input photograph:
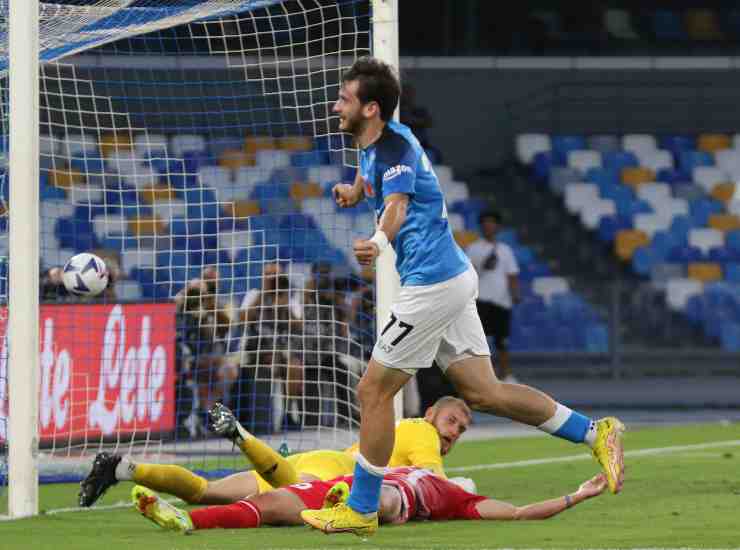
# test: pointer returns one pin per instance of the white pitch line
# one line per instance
(478, 467)
(573, 458)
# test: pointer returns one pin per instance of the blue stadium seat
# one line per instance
(730, 337)
(720, 255)
(668, 26)
(732, 240)
(677, 143)
(507, 236)
(603, 177)
(618, 193)
(680, 227)
(523, 254)
(630, 208)
(564, 144)
(618, 160)
(596, 338)
(643, 260)
(685, 254)
(701, 209)
(688, 160)
(732, 272)
(543, 161)
(671, 176)
(663, 242)
(610, 225)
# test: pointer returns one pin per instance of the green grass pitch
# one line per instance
(678, 497)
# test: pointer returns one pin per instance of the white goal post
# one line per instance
(29, 26)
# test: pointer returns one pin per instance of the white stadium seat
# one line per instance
(234, 241)
(706, 238)
(444, 173)
(678, 292)
(583, 160)
(593, 212)
(707, 177)
(106, 225)
(187, 143)
(637, 143)
(656, 160)
(548, 286)
(650, 223)
(76, 144)
(150, 146)
(579, 195)
(169, 210)
(214, 176)
(528, 145)
(672, 207)
(272, 159)
(654, 193)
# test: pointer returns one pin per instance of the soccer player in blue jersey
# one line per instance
(434, 317)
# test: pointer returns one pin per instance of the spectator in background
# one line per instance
(271, 326)
(203, 327)
(498, 287)
(419, 120)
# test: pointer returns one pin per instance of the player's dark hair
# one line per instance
(377, 81)
(495, 215)
(447, 400)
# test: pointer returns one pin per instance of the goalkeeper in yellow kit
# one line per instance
(420, 442)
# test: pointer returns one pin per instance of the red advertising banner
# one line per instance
(106, 370)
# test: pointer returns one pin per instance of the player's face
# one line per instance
(349, 109)
(451, 422)
(489, 227)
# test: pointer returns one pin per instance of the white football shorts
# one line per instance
(429, 323)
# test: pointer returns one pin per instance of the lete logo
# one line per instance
(104, 370)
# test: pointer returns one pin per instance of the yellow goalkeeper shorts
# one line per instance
(324, 465)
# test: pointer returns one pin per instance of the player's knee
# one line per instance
(370, 394)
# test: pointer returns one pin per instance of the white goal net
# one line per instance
(191, 144)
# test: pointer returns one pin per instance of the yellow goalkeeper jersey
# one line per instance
(417, 444)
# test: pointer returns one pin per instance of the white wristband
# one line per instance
(381, 239)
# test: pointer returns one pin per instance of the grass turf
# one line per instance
(682, 498)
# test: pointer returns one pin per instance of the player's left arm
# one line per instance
(497, 510)
(396, 206)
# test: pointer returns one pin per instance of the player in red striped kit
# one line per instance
(407, 494)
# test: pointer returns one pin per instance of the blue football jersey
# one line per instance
(426, 250)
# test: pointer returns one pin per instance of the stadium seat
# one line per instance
(144, 226)
(627, 241)
(618, 160)
(637, 175)
(546, 287)
(651, 223)
(444, 173)
(707, 177)
(249, 176)
(602, 177)
(78, 144)
(633, 208)
(671, 176)
(667, 26)
(580, 195)
(560, 176)
(187, 143)
(603, 143)
(724, 222)
(610, 225)
(231, 242)
(705, 272)
(724, 192)
(654, 192)
(254, 144)
(721, 255)
(563, 144)
(150, 145)
(294, 144)
(153, 195)
(583, 160)
(728, 160)
(596, 338)
(128, 290)
(685, 254)
(701, 209)
(456, 221)
(687, 191)
(730, 337)
(234, 159)
(678, 292)
(639, 143)
(703, 25)
(618, 24)
(217, 177)
(655, 160)
(677, 143)
(688, 160)
(272, 159)
(643, 259)
(732, 240)
(65, 178)
(325, 174)
(592, 213)
(456, 191)
(242, 209)
(465, 238)
(711, 143)
(732, 272)
(661, 273)
(106, 225)
(671, 208)
(541, 165)
(115, 142)
(704, 239)
(528, 145)
(167, 210)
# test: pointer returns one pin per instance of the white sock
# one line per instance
(562, 413)
(125, 469)
(378, 471)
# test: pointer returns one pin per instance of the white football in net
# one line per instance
(85, 274)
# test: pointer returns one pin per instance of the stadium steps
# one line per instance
(544, 224)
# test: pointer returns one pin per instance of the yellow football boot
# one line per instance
(161, 512)
(341, 519)
(609, 451)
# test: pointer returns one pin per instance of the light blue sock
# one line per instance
(570, 425)
(366, 486)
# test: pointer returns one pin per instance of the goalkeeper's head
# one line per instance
(368, 96)
(451, 417)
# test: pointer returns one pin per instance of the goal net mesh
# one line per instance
(191, 144)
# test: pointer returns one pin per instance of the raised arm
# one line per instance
(394, 214)
(496, 510)
(348, 195)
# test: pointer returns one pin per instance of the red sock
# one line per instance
(241, 515)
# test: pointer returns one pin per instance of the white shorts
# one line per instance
(429, 323)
